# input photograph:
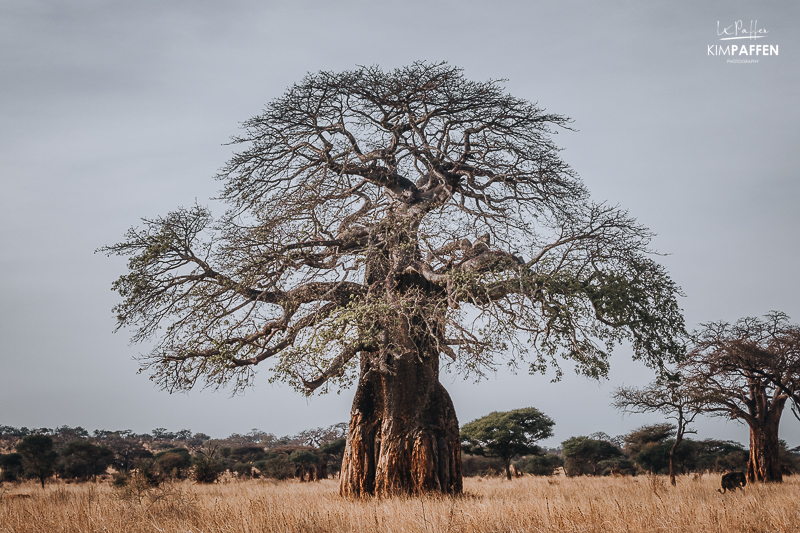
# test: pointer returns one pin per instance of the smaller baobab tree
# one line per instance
(748, 371)
(672, 395)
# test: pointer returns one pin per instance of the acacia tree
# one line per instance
(378, 221)
(38, 456)
(582, 454)
(507, 434)
(749, 370)
(672, 395)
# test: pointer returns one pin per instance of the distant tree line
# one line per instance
(505, 442)
(748, 371)
(75, 455)
(645, 450)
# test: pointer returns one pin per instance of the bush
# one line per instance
(582, 455)
(626, 467)
(82, 460)
(539, 465)
(243, 470)
(305, 460)
(146, 472)
(790, 459)
(11, 466)
(173, 463)
(137, 485)
(206, 469)
(276, 467)
(120, 479)
(247, 454)
(333, 453)
(476, 465)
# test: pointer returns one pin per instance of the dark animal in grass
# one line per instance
(732, 481)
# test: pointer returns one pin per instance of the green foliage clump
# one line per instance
(81, 460)
(206, 468)
(306, 460)
(539, 465)
(582, 455)
(506, 434)
(625, 467)
(333, 453)
(11, 468)
(276, 466)
(646, 436)
(477, 465)
(173, 463)
(38, 456)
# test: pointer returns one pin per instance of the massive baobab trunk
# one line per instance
(403, 435)
(764, 463)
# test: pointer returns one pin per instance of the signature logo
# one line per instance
(737, 30)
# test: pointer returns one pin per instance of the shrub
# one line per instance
(206, 469)
(540, 465)
(276, 467)
(82, 460)
(243, 470)
(11, 466)
(626, 467)
(172, 463)
(476, 465)
(332, 453)
(305, 460)
(582, 455)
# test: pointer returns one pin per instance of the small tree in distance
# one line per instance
(673, 396)
(205, 467)
(38, 456)
(305, 460)
(582, 455)
(80, 459)
(507, 434)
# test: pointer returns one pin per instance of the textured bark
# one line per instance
(403, 436)
(764, 463)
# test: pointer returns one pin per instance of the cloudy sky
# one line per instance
(114, 111)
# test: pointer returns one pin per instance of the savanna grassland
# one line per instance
(538, 504)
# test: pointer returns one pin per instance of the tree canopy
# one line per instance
(334, 172)
(38, 456)
(583, 455)
(507, 434)
(80, 459)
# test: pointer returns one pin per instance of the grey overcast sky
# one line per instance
(112, 111)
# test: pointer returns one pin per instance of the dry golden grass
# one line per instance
(530, 504)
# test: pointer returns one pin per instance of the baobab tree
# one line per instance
(749, 370)
(672, 395)
(377, 222)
